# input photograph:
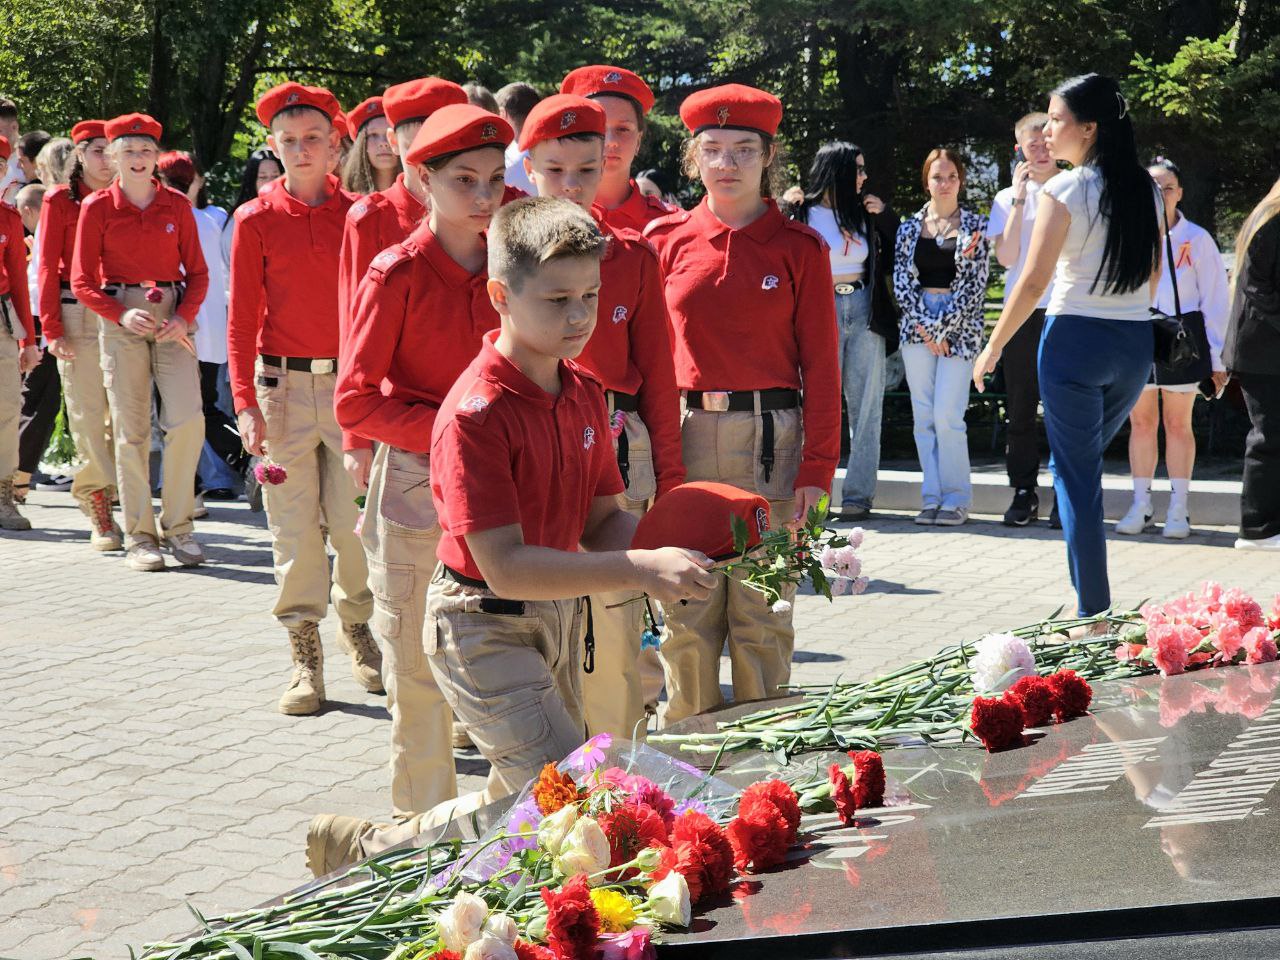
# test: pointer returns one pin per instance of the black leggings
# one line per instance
(1260, 501)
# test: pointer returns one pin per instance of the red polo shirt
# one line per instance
(284, 281)
(630, 350)
(417, 321)
(13, 271)
(752, 309)
(373, 223)
(118, 243)
(505, 451)
(638, 210)
(59, 214)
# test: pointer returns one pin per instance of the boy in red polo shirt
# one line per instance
(630, 352)
(526, 488)
(18, 350)
(282, 337)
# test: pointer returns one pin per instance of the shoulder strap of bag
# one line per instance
(1168, 259)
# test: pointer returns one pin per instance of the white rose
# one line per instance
(669, 900)
(501, 926)
(1001, 660)
(781, 606)
(461, 923)
(490, 948)
(585, 849)
(553, 829)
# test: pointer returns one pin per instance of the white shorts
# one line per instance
(1174, 387)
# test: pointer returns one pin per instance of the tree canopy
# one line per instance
(895, 76)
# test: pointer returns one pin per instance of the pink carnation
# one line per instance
(154, 295)
(1242, 608)
(1258, 646)
(1228, 640)
(860, 585)
(856, 535)
(1169, 649)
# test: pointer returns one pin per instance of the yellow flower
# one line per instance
(616, 913)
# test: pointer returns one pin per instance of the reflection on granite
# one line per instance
(1152, 814)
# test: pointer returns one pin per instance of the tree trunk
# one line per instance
(160, 91)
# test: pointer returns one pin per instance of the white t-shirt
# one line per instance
(1078, 190)
(1202, 283)
(515, 176)
(848, 253)
(1001, 207)
(210, 338)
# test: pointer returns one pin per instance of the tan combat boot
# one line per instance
(333, 842)
(10, 518)
(366, 658)
(104, 534)
(306, 691)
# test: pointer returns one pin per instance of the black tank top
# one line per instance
(937, 264)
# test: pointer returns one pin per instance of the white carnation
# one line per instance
(1001, 661)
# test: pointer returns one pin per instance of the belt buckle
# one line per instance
(323, 366)
(845, 288)
(717, 401)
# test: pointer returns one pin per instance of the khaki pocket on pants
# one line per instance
(271, 400)
(392, 586)
(490, 654)
(642, 484)
(788, 438)
(406, 492)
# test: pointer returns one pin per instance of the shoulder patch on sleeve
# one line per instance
(476, 400)
(657, 226)
(387, 261)
(252, 208)
(807, 230)
(635, 239)
(365, 207)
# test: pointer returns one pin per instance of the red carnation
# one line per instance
(868, 778)
(154, 295)
(1035, 696)
(572, 921)
(531, 951)
(759, 836)
(703, 854)
(1071, 694)
(630, 828)
(842, 791)
(445, 955)
(778, 795)
(997, 723)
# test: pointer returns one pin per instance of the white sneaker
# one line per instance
(185, 549)
(145, 556)
(1177, 526)
(1266, 543)
(1136, 520)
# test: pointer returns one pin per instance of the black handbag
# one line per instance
(1181, 342)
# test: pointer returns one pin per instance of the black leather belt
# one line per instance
(114, 285)
(64, 284)
(722, 401)
(626, 402)
(302, 364)
(506, 608)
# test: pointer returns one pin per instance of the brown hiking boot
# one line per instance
(105, 533)
(333, 842)
(10, 518)
(306, 690)
(366, 658)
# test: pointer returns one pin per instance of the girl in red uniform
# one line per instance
(72, 333)
(371, 165)
(138, 266)
(749, 294)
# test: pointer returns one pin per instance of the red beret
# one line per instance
(6, 148)
(699, 516)
(88, 130)
(339, 120)
(133, 125)
(733, 105)
(362, 113)
(600, 79)
(561, 115)
(292, 94)
(458, 127)
(419, 99)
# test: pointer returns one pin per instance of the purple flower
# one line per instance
(588, 756)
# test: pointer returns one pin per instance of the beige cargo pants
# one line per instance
(88, 413)
(10, 389)
(317, 497)
(400, 534)
(726, 447)
(131, 365)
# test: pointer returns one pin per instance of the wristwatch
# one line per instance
(1018, 202)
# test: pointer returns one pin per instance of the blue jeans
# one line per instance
(1092, 372)
(939, 397)
(862, 382)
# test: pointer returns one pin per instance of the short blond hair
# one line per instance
(532, 231)
(1030, 121)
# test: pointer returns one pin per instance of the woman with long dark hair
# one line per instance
(1096, 226)
(859, 229)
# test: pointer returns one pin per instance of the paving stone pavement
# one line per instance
(143, 763)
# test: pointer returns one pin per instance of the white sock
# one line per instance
(1178, 500)
(1142, 491)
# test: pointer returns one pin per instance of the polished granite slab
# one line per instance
(1154, 815)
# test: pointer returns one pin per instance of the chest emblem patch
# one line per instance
(588, 438)
(619, 314)
(770, 282)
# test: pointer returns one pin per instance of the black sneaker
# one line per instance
(1055, 521)
(1024, 509)
(43, 481)
(851, 514)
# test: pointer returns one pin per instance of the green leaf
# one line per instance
(741, 537)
